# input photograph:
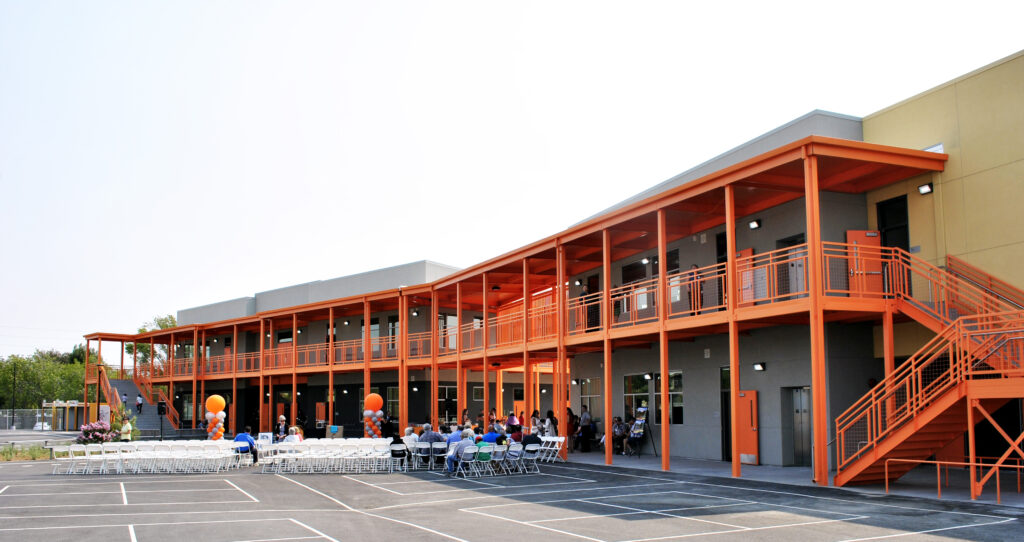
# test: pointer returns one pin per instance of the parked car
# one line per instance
(42, 426)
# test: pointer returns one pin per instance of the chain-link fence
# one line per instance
(30, 418)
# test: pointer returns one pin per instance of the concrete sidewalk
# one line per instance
(920, 482)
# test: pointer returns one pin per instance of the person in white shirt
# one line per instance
(410, 439)
(292, 436)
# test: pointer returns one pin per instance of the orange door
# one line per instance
(746, 420)
(865, 261)
(744, 266)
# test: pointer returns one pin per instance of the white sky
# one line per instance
(161, 155)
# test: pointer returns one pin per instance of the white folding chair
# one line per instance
(399, 457)
(531, 453)
(467, 462)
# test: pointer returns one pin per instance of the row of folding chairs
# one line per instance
(550, 449)
(493, 460)
(148, 457)
(334, 455)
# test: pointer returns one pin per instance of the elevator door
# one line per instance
(802, 426)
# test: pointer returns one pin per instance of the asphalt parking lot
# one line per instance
(565, 502)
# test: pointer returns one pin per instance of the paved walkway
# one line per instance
(920, 482)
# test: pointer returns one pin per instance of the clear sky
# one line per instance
(161, 155)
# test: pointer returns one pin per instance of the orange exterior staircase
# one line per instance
(921, 407)
(144, 380)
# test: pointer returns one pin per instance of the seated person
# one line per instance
(491, 436)
(619, 433)
(478, 431)
(292, 435)
(250, 445)
(429, 435)
(516, 435)
(502, 438)
(533, 437)
(455, 452)
(455, 437)
(410, 438)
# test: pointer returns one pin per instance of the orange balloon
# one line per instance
(216, 436)
(374, 402)
(215, 403)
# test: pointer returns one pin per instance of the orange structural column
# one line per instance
(434, 349)
(195, 398)
(606, 316)
(330, 366)
(460, 378)
(486, 379)
(819, 420)
(262, 414)
(293, 414)
(403, 364)
(367, 354)
(734, 346)
(663, 341)
(559, 374)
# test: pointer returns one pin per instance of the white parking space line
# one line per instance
(512, 495)
(546, 528)
(640, 512)
(124, 496)
(307, 527)
(4, 489)
(254, 499)
(131, 532)
(900, 534)
(373, 485)
(322, 494)
(747, 530)
(620, 507)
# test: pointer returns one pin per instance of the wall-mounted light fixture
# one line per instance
(495, 288)
(925, 188)
(346, 322)
(543, 390)
(647, 376)
(414, 388)
(298, 393)
(578, 282)
(645, 261)
(345, 392)
(754, 224)
(575, 382)
(300, 331)
(415, 312)
(760, 366)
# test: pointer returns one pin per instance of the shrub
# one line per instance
(96, 432)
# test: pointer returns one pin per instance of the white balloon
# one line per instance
(220, 425)
(209, 416)
(367, 412)
(379, 414)
(221, 415)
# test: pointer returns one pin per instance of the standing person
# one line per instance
(124, 399)
(126, 430)
(492, 417)
(138, 403)
(535, 421)
(551, 425)
(586, 429)
(465, 421)
(512, 423)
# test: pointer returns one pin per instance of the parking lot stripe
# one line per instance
(896, 535)
(559, 531)
(322, 494)
(373, 486)
(124, 496)
(301, 524)
(512, 495)
(4, 489)
(429, 530)
(131, 532)
(620, 507)
(643, 512)
(254, 499)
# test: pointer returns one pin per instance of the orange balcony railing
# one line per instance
(311, 355)
(419, 345)
(217, 365)
(384, 348)
(543, 322)
(696, 291)
(472, 336)
(278, 358)
(183, 366)
(248, 362)
(348, 352)
(505, 330)
(446, 341)
(583, 314)
(852, 270)
(771, 277)
(635, 303)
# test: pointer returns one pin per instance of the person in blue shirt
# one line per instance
(455, 436)
(250, 444)
(454, 455)
(491, 436)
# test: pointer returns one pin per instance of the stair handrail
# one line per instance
(113, 399)
(948, 291)
(987, 282)
(960, 341)
(172, 413)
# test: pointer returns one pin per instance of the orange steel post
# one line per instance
(135, 353)
(606, 314)
(663, 339)
(888, 346)
(558, 375)
(527, 382)
(528, 405)
(195, 339)
(295, 362)
(460, 378)
(403, 364)
(367, 354)
(734, 338)
(499, 393)
(85, 390)
(234, 378)
(170, 356)
(261, 365)
(971, 452)
(196, 365)
(819, 422)
(99, 363)
(121, 374)
(330, 366)
(486, 379)
(434, 348)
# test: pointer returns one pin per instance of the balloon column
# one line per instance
(373, 415)
(215, 416)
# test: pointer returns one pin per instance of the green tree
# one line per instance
(144, 356)
(25, 382)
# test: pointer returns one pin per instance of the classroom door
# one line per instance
(865, 261)
(746, 420)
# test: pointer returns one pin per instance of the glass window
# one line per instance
(634, 272)
(591, 396)
(635, 393)
(392, 403)
(478, 393)
(675, 393)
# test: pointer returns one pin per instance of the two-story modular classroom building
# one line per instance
(824, 295)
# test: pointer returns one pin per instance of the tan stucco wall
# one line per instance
(977, 209)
